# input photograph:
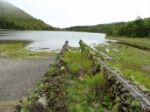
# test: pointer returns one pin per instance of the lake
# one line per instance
(52, 40)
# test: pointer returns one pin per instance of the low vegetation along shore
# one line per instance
(16, 49)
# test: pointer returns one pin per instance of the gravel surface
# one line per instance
(19, 76)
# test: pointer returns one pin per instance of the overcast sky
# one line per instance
(64, 13)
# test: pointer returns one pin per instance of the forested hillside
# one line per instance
(12, 17)
(138, 28)
(23, 24)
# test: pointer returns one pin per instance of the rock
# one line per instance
(62, 68)
(43, 101)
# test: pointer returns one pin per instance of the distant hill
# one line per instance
(138, 28)
(8, 10)
(12, 17)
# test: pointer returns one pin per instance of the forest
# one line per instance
(137, 28)
(23, 24)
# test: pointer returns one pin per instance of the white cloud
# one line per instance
(63, 13)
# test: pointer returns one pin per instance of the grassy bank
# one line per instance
(141, 43)
(17, 49)
(132, 62)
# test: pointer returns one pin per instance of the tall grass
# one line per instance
(81, 98)
(77, 61)
(82, 91)
(93, 81)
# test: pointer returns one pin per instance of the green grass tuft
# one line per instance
(82, 97)
(76, 61)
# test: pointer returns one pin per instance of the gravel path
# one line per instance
(19, 76)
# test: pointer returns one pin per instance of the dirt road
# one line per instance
(19, 76)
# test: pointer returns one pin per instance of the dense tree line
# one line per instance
(138, 28)
(23, 24)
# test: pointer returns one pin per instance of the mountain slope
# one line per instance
(12, 17)
(8, 10)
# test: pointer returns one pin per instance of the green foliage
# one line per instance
(82, 98)
(84, 48)
(23, 24)
(107, 102)
(76, 61)
(93, 81)
(138, 28)
(81, 90)
(11, 17)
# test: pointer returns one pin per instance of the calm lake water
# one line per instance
(52, 40)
